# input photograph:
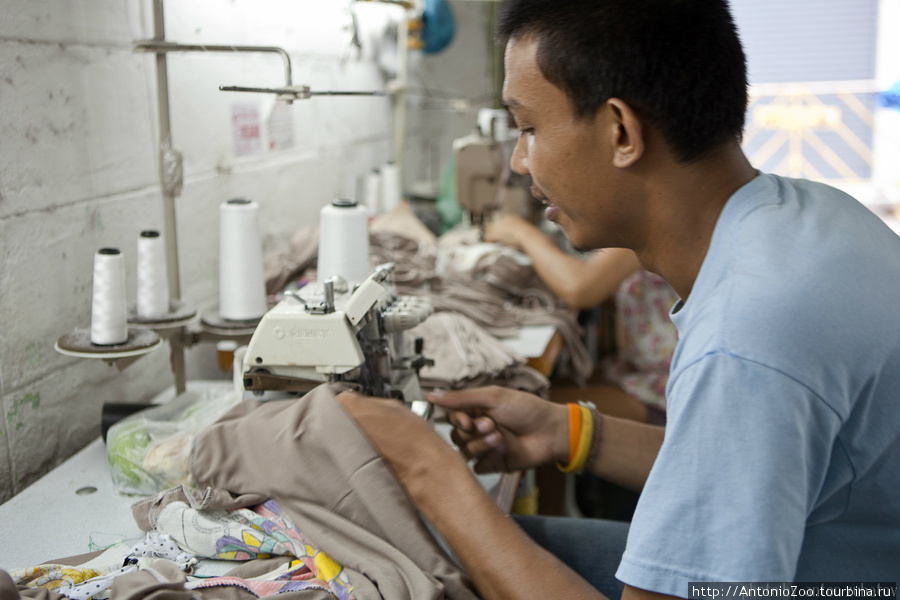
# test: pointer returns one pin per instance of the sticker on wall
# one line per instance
(280, 127)
(245, 126)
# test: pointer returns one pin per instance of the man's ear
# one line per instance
(627, 134)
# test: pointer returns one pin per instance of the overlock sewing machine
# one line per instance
(326, 332)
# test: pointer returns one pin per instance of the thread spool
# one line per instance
(109, 325)
(343, 241)
(390, 187)
(242, 287)
(373, 192)
(225, 353)
(152, 281)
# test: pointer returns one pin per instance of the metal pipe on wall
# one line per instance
(169, 227)
(400, 85)
(160, 46)
(170, 160)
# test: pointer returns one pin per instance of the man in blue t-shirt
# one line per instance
(780, 460)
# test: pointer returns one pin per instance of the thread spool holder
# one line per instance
(146, 335)
(78, 343)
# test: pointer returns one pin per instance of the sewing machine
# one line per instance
(484, 182)
(325, 332)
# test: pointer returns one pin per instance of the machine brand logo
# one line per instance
(305, 333)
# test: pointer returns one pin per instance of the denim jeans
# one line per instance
(592, 548)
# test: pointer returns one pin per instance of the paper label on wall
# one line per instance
(245, 126)
(280, 127)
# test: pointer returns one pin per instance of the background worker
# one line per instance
(634, 377)
(780, 459)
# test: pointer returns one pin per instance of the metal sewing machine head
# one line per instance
(325, 332)
(485, 184)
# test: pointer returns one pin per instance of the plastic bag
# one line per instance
(150, 451)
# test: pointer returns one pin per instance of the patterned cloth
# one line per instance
(183, 534)
(250, 533)
(647, 338)
(94, 578)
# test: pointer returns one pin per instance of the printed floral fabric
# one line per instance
(244, 534)
(55, 576)
(647, 338)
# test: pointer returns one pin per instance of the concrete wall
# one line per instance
(78, 171)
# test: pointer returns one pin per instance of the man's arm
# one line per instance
(633, 593)
(502, 561)
(626, 451)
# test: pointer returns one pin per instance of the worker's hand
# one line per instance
(420, 459)
(506, 430)
(510, 230)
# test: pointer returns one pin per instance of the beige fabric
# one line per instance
(160, 581)
(281, 266)
(9, 591)
(402, 221)
(309, 456)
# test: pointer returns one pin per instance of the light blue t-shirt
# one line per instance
(781, 458)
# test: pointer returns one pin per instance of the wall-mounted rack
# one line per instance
(145, 335)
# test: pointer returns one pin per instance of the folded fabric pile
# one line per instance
(465, 355)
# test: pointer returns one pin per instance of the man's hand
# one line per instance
(506, 430)
(409, 445)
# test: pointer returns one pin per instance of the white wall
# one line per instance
(78, 171)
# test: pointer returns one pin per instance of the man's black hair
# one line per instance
(677, 63)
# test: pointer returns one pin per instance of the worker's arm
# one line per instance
(626, 451)
(502, 561)
(579, 283)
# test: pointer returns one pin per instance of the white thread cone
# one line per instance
(109, 324)
(343, 242)
(152, 280)
(242, 286)
(391, 195)
(373, 192)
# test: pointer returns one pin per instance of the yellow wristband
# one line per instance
(585, 434)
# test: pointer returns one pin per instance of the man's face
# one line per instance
(569, 159)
